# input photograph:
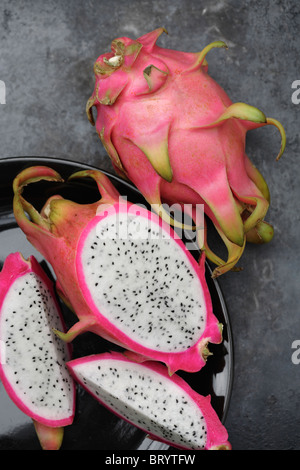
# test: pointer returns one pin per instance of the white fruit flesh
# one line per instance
(141, 280)
(145, 398)
(34, 359)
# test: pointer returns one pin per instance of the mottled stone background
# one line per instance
(47, 51)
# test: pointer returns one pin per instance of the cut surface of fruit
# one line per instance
(145, 395)
(33, 361)
(144, 286)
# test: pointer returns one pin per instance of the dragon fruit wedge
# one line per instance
(173, 131)
(165, 407)
(32, 358)
(128, 277)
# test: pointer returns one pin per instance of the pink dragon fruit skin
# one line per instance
(49, 428)
(50, 438)
(173, 131)
(92, 371)
(61, 231)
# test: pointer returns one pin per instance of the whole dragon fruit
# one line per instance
(124, 271)
(165, 407)
(32, 358)
(173, 131)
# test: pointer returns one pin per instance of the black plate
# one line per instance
(94, 426)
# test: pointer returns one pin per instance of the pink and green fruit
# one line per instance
(173, 131)
(32, 358)
(126, 274)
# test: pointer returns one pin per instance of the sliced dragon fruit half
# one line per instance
(165, 407)
(124, 271)
(32, 358)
